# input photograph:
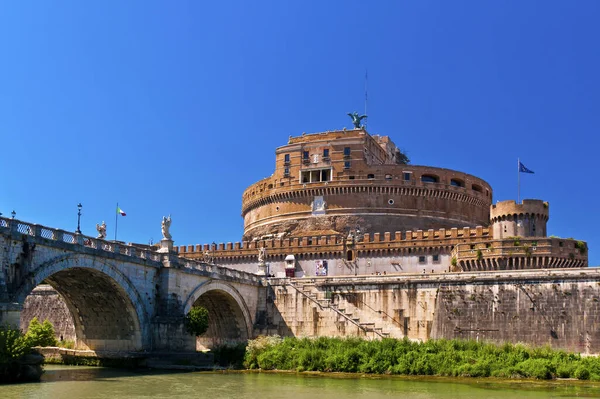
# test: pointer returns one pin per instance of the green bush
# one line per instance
(582, 373)
(230, 356)
(466, 358)
(13, 346)
(40, 334)
(580, 245)
(196, 321)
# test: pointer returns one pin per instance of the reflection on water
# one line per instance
(89, 382)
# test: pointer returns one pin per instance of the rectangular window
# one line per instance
(286, 158)
(407, 176)
(346, 151)
(315, 175)
(326, 153)
(346, 164)
(436, 258)
(286, 172)
(305, 155)
(421, 259)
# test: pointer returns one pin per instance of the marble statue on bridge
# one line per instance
(101, 228)
(165, 226)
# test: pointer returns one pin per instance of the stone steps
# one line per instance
(307, 289)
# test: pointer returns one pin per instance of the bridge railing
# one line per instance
(68, 237)
(220, 270)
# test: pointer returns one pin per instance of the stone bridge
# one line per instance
(123, 297)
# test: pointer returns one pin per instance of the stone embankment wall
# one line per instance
(560, 308)
(45, 302)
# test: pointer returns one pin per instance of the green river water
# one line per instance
(89, 382)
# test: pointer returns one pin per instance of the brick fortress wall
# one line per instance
(361, 185)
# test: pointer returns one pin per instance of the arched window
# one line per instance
(457, 183)
(430, 179)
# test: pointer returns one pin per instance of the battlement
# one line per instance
(521, 252)
(527, 207)
(335, 243)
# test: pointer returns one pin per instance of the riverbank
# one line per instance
(451, 358)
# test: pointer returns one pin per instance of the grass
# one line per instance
(456, 358)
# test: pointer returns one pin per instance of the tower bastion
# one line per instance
(343, 180)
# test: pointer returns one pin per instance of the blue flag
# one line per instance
(523, 169)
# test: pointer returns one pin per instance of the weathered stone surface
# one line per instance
(46, 303)
(559, 308)
(119, 297)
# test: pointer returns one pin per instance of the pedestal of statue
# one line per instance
(262, 269)
(166, 245)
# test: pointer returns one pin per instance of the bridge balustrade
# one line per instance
(36, 230)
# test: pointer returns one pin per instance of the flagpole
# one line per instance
(366, 81)
(116, 220)
(518, 180)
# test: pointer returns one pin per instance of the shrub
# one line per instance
(196, 321)
(582, 373)
(580, 245)
(40, 334)
(541, 369)
(467, 358)
(13, 346)
(259, 345)
(231, 356)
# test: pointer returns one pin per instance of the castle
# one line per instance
(347, 203)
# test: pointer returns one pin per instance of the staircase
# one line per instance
(305, 290)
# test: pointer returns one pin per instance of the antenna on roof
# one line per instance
(366, 98)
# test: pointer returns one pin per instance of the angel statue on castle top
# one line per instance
(356, 119)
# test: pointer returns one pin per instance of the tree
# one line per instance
(40, 334)
(402, 157)
(196, 321)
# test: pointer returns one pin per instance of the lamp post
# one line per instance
(13, 213)
(79, 206)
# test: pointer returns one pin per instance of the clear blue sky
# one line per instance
(176, 107)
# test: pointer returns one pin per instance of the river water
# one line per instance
(89, 382)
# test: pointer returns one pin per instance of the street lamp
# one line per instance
(78, 218)
(13, 213)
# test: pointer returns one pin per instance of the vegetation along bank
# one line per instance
(457, 358)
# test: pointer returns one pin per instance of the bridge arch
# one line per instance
(229, 317)
(107, 309)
